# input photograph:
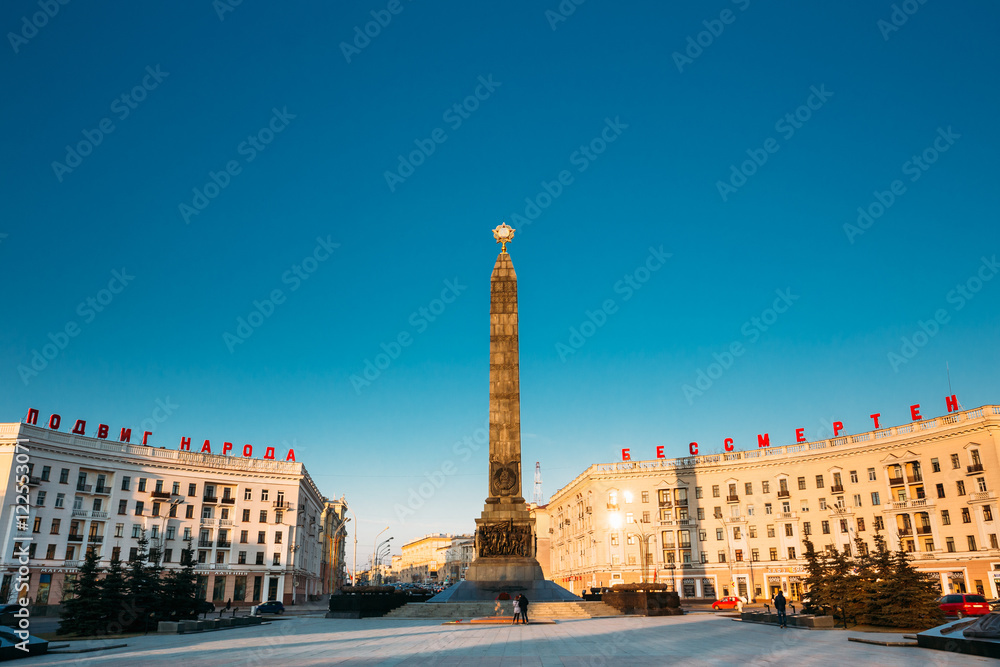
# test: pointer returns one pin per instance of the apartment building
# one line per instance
(257, 526)
(735, 522)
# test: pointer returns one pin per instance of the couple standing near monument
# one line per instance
(520, 609)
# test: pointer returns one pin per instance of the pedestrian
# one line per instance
(517, 609)
(229, 604)
(524, 608)
(779, 606)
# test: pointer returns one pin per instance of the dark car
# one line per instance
(961, 605)
(204, 607)
(270, 607)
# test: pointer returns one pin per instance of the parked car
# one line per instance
(270, 607)
(204, 607)
(729, 602)
(962, 604)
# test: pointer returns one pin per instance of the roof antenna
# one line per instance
(950, 392)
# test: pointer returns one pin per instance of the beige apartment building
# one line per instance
(435, 558)
(260, 529)
(735, 522)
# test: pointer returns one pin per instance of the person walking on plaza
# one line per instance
(524, 608)
(517, 609)
(779, 606)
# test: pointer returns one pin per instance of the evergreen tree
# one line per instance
(866, 581)
(113, 606)
(881, 564)
(911, 598)
(144, 586)
(180, 588)
(842, 587)
(78, 617)
(816, 598)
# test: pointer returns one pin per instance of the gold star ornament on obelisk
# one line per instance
(504, 234)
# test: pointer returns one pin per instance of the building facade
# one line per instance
(734, 523)
(432, 559)
(256, 526)
(333, 525)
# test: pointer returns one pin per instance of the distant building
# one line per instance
(334, 529)
(424, 560)
(258, 527)
(735, 522)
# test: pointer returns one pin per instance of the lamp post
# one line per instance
(377, 556)
(375, 543)
(174, 501)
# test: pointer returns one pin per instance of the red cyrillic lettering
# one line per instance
(800, 435)
(247, 450)
(206, 448)
(915, 412)
(951, 402)
(659, 452)
(32, 417)
(875, 416)
(54, 422)
(102, 431)
(291, 455)
(763, 440)
(126, 435)
(226, 446)
(269, 453)
(80, 427)
(626, 456)
(186, 444)
(145, 437)
(837, 428)
(728, 444)
(693, 448)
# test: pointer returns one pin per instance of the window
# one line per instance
(993, 541)
(945, 517)
(645, 498)
(159, 486)
(748, 490)
(126, 482)
(875, 498)
(171, 532)
(244, 536)
(786, 506)
(242, 558)
(843, 525)
(263, 516)
(738, 555)
(173, 510)
(136, 531)
(736, 532)
(60, 500)
(263, 494)
(206, 512)
(36, 527)
(825, 525)
(966, 518)
(791, 553)
(176, 489)
(770, 531)
(854, 477)
(277, 559)
(767, 508)
(750, 510)
(981, 484)
(773, 552)
(156, 509)
(861, 525)
(955, 462)
(702, 534)
(822, 503)
(277, 537)
(142, 484)
(50, 552)
(987, 513)
(46, 471)
(246, 515)
(187, 534)
(189, 512)
(247, 494)
(871, 475)
(836, 479)
(802, 483)
(819, 481)
(54, 530)
(949, 544)
(765, 487)
(722, 556)
(278, 517)
(879, 525)
(64, 476)
(698, 492)
(261, 537)
(717, 513)
(976, 461)
(138, 507)
(972, 542)
(715, 490)
(260, 558)
(701, 514)
(935, 465)
(788, 530)
(167, 555)
(719, 534)
(122, 506)
(961, 487)
(192, 489)
(40, 498)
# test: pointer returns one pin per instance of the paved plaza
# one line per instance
(694, 639)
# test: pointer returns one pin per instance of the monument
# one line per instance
(505, 532)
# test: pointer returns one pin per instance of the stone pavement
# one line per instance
(694, 639)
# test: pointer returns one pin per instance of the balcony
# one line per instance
(838, 488)
(72, 563)
(103, 490)
(95, 539)
(285, 505)
(784, 493)
(732, 499)
(34, 481)
(75, 538)
(905, 532)
(974, 468)
(896, 481)
(160, 494)
(915, 479)
(786, 516)
(225, 522)
(83, 513)
(97, 514)
(612, 507)
(923, 530)
(224, 544)
(84, 488)
(205, 544)
(207, 521)
(982, 495)
(211, 500)
(228, 501)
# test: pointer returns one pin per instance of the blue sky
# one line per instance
(250, 154)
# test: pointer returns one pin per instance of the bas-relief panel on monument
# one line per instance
(504, 539)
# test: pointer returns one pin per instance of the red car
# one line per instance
(962, 605)
(726, 603)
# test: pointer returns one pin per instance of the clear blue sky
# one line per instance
(672, 131)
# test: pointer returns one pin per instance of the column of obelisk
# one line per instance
(505, 536)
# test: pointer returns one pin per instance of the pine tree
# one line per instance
(180, 588)
(866, 581)
(114, 605)
(144, 586)
(78, 617)
(881, 564)
(911, 599)
(816, 598)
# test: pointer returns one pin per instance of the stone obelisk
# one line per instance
(505, 536)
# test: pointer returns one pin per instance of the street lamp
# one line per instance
(377, 556)
(375, 542)
(174, 501)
